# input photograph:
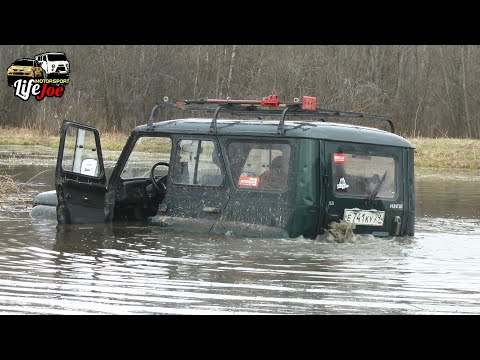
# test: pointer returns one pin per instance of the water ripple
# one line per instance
(134, 270)
(139, 270)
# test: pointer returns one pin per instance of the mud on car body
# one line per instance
(252, 177)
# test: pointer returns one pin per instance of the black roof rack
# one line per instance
(267, 107)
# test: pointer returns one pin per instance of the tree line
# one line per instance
(429, 90)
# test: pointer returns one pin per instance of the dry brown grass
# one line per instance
(447, 153)
(9, 186)
(24, 136)
(441, 153)
(113, 141)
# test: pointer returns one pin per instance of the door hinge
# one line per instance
(325, 178)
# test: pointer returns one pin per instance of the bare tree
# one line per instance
(429, 90)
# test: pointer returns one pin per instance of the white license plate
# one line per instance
(364, 217)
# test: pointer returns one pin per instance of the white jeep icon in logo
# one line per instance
(54, 64)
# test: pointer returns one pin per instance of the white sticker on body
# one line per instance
(342, 184)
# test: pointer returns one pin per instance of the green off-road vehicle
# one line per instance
(254, 174)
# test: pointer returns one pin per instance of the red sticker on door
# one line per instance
(249, 181)
(338, 158)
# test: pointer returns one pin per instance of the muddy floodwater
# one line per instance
(45, 269)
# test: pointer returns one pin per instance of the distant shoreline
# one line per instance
(442, 154)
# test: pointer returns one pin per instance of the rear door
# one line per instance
(364, 186)
(80, 178)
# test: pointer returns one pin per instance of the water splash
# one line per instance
(342, 232)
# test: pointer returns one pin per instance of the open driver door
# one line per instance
(80, 179)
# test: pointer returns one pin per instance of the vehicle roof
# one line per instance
(24, 59)
(268, 128)
(50, 52)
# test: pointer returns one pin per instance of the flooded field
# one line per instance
(45, 269)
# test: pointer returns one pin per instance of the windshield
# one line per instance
(57, 57)
(23, 62)
(147, 151)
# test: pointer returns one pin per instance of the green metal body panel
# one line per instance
(304, 207)
(308, 194)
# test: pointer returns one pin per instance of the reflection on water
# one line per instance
(36, 176)
(128, 270)
(45, 269)
(448, 197)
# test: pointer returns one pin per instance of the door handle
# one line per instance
(210, 209)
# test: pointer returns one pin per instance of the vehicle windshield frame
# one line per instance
(23, 61)
(53, 57)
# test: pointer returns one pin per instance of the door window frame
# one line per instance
(364, 150)
(176, 156)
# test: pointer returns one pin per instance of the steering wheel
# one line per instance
(159, 189)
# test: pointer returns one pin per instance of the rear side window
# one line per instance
(363, 175)
(262, 166)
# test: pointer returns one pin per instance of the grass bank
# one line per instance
(17, 136)
(441, 153)
(444, 153)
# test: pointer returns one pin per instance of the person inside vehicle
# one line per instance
(276, 177)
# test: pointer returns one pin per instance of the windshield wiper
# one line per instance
(377, 188)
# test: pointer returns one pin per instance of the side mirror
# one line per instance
(89, 167)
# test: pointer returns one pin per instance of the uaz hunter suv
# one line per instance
(54, 64)
(259, 176)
